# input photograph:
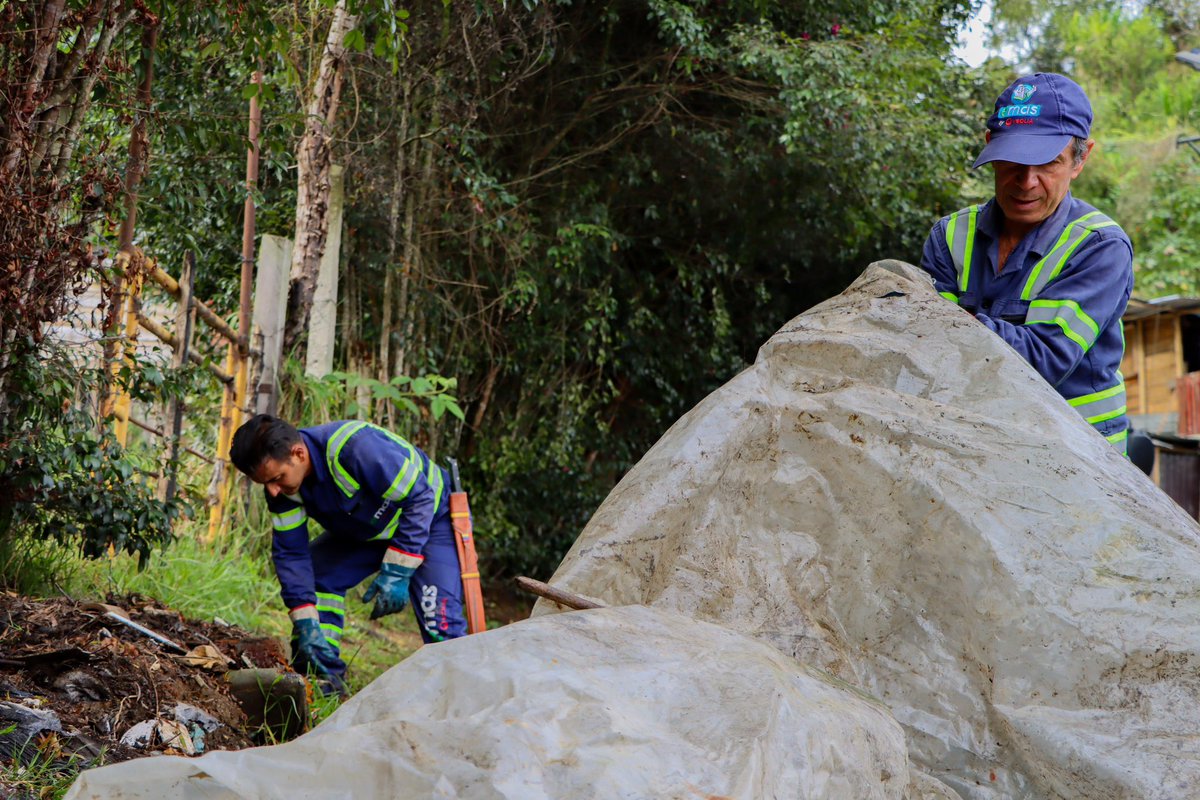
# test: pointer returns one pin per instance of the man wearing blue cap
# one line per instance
(1049, 274)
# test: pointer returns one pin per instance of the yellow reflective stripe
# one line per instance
(1068, 241)
(289, 520)
(1101, 406)
(333, 603)
(438, 484)
(951, 296)
(1037, 270)
(333, 450)
(408, 476)
(333, 635)
(1101, 395)
(1075, 323)
(1105, 417)
(960, 241)
(390, 528)
(1118, 437)
(966, 278)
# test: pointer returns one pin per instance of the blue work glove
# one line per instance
(310, 651)
(389, 589)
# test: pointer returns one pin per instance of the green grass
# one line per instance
(231, 579)
(46, 777)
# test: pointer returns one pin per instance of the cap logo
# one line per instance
(1023, 92)
(1029, 110)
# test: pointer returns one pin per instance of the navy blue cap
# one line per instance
(1036, 117)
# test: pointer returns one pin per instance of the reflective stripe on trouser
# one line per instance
(1100, 407)
(331, 609)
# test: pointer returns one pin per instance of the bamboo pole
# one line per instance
(238, 360)
(219, 325)
(172, 341)
(123, 402)
(218, 492)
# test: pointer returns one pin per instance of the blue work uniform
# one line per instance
(1058, 302)
(370, 490)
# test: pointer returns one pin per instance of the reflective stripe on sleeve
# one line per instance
(437, 482)
(951, 296)
(404, 480)
(289, 520)
(390, 529)
(1066, 314)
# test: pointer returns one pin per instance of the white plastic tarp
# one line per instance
(621, 703)
(892, 494)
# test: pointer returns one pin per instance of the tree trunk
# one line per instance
(314, 157)
(389, 280)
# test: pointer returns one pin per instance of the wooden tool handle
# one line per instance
(560, 596)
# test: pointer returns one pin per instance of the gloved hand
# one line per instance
(310, 650)
(389, 589)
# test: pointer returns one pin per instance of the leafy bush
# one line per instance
(62, 475)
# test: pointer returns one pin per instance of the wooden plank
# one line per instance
(1143, 378)
(1177, 342)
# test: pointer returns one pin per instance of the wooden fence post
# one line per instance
(238, 360)
(173, 414)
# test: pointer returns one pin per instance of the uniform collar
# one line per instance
(1044, 235)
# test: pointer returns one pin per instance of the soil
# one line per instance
(99, 677)
(74, 681)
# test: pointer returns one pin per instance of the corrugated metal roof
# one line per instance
(1139, 309)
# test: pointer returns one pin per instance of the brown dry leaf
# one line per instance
(205, 656)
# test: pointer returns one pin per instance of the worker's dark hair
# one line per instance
(262, 437)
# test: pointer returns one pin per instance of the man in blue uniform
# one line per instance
(384, 507)
(1049, 274)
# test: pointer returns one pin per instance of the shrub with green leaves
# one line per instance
(62, 475)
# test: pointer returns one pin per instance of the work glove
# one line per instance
(310, 651)
(389, 590)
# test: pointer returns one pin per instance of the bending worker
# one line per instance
(1048, 273)
(384, 507)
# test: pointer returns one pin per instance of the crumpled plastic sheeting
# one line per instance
(611, 703)
(892, 494)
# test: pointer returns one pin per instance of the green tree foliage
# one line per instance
(1123, 55)
(589, 213)
(60, 479)
(1143, 101)
(623, 201)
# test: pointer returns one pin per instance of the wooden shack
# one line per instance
(1162, 346)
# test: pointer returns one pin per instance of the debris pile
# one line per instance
(99, 683)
